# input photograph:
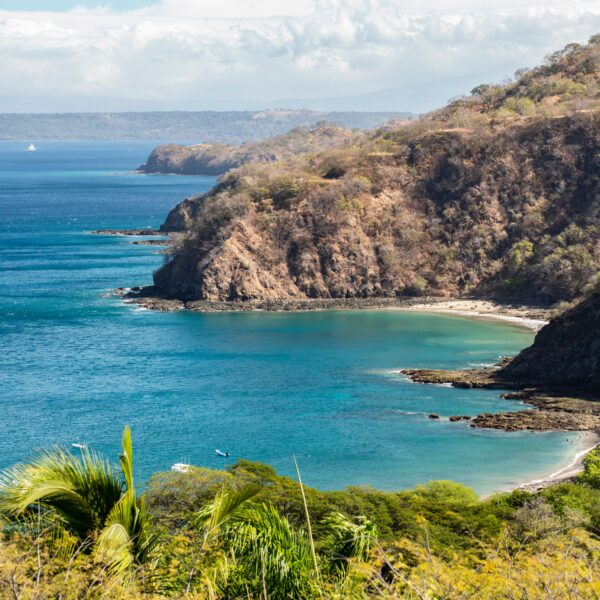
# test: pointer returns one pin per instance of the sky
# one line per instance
(402, 55)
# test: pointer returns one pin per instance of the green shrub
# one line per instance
(591, 470)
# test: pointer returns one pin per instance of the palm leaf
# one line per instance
(114, 546)
(224, 507)
(128, 535)
(345, 539)
(81, 491)
(126, 458)
(269, 554)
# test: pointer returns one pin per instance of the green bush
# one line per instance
(591, 470)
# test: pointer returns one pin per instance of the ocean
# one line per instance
(77, 363)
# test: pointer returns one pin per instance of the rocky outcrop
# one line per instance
(202, 159)
(538, 420)
(559, 375)
(552, 408)
(181, 217)
(447, 214)
(128, 232)
(565, 353)
(215, 159)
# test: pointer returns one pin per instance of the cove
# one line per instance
(77, 363)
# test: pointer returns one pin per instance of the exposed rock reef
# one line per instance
(496, 194)
(129, 232)
(216, 159)
(147, 298)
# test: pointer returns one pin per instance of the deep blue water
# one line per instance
(77, 364)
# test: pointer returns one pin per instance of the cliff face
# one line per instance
(566, 353)
(203, 159)
(215, 159)
(495, 194)
(514, 211)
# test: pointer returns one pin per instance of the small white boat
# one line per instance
(79, 445)
(31, 148)
(221, 453)
(180, 467)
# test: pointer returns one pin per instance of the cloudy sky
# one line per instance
(245, 54)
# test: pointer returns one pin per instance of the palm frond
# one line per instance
(126, 458)
(114, 547)
(81, 491)
(225, 505)
(127, 536)
(345, 539)
(270, 554)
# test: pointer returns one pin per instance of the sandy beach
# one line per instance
(590, 441)
(527, 316)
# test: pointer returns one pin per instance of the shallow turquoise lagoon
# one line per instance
(77, 364)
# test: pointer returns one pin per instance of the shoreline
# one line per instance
(532, 317)
(569, 471)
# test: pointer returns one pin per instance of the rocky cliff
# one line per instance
(566, 353)
(514, 211)
(498, 193)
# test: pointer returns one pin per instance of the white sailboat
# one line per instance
(31, 148)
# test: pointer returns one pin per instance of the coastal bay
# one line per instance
(190, 382)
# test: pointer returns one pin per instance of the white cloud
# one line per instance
(222, 53)
(238, 9)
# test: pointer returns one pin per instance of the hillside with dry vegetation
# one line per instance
(216, 159)
(497, 193)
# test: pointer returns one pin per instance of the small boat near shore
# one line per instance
(31, 148)
(79, 445)
(221, 453)
(181, 467)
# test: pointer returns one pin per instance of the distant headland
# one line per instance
(229, 127)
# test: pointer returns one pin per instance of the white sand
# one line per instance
(591, 441)
(485, 309)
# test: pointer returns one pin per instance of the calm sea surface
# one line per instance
(77, 364)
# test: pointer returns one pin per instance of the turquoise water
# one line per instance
(77, 364)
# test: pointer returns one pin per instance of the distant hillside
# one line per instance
(497, 193)
(208, 126)
(216, 159)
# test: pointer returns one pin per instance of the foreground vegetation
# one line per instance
(74, 527)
